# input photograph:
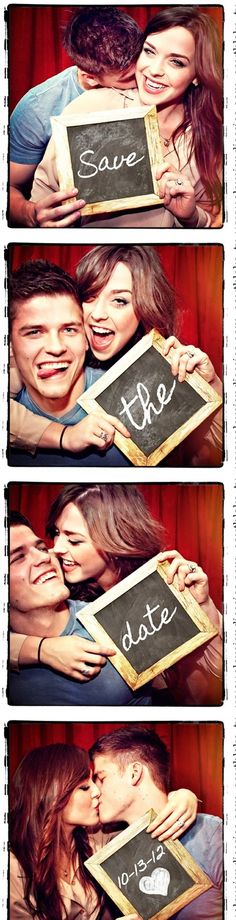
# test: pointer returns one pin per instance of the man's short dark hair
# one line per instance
(125, 744)
(102, 39)
(16, 519)
(39, 277)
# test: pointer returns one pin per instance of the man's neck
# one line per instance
(58, 406)
(147, 798)
(45, 621)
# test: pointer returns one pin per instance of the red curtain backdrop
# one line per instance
(35, 41)
(195, 749)
(192, 516)
(195, 272)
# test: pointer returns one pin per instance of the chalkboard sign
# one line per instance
(157, 409)
(149, 623)
(146, 876)
(109, 157)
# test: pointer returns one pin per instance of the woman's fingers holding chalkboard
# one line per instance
(187, 358)
(179, 812)
(56, 211)
(177, 193)
(188, 574)
(96, 429)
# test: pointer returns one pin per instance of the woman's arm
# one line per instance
(70, 655)
(186, 359)
(176, 816)
(182, 198)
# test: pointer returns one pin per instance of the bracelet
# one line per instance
(61, 437)
(39, 648)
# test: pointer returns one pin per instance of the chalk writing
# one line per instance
(143, 399)
(140, 866)
(156, 883)
(166, 618)
(129, 160)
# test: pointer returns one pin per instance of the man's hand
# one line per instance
(77, 657)
(56, 210)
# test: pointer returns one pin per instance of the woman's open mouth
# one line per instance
(100, 337)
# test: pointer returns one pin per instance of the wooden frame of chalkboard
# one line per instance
(146, 123)
(174, 854)
(199, 627)
(208, 400)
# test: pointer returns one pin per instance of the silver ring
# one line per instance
(85, 671)
(190, 354)
(103, 435)
(192, 567)
(179, 181)
(180, 822)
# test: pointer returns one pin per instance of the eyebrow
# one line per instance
(171, 53)
(25, 546)
(72, 322)
(72, 533)
(121, 290)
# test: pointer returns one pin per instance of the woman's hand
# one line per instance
(96, 429)
(177, 194)
(187, 358)
(77, 657)
(56, 210)
(176, 816)
(186, 574)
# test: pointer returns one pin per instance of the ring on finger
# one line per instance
(103, 435)
(192, 567)
(178, 181)
(180, 822)
(85, 671)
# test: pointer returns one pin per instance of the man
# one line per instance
(131, 769)
(104, 43)
(49, 348)
(40, 609)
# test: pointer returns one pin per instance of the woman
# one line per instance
(179, 71)
(124, 293)
(53, 821)
(101, 534)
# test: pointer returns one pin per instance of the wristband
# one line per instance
(39, 648)
(61, 438)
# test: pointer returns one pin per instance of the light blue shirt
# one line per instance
(203, 841)
(30, 126)
(41, 686)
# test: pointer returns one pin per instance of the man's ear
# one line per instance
(136, 772)
(87, 80)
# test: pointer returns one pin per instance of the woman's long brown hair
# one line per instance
(202, 103)
(41, 787)
(119, 523)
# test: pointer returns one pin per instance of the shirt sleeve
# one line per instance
(26, 429)
(15, 645)
(27, 132)
(18, 907)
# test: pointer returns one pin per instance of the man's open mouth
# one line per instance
(52, 369)
(45, 576)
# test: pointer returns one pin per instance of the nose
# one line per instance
(95, 793)
(60, 545)
(99, 309)
(157, 66)
(54, 344)
(39, 556)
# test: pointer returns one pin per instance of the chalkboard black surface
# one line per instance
(150, 623)
(104, 167)
(157, 409)
(111, 157)
(153, 878)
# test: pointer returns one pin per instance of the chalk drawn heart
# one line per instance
(156, 883)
